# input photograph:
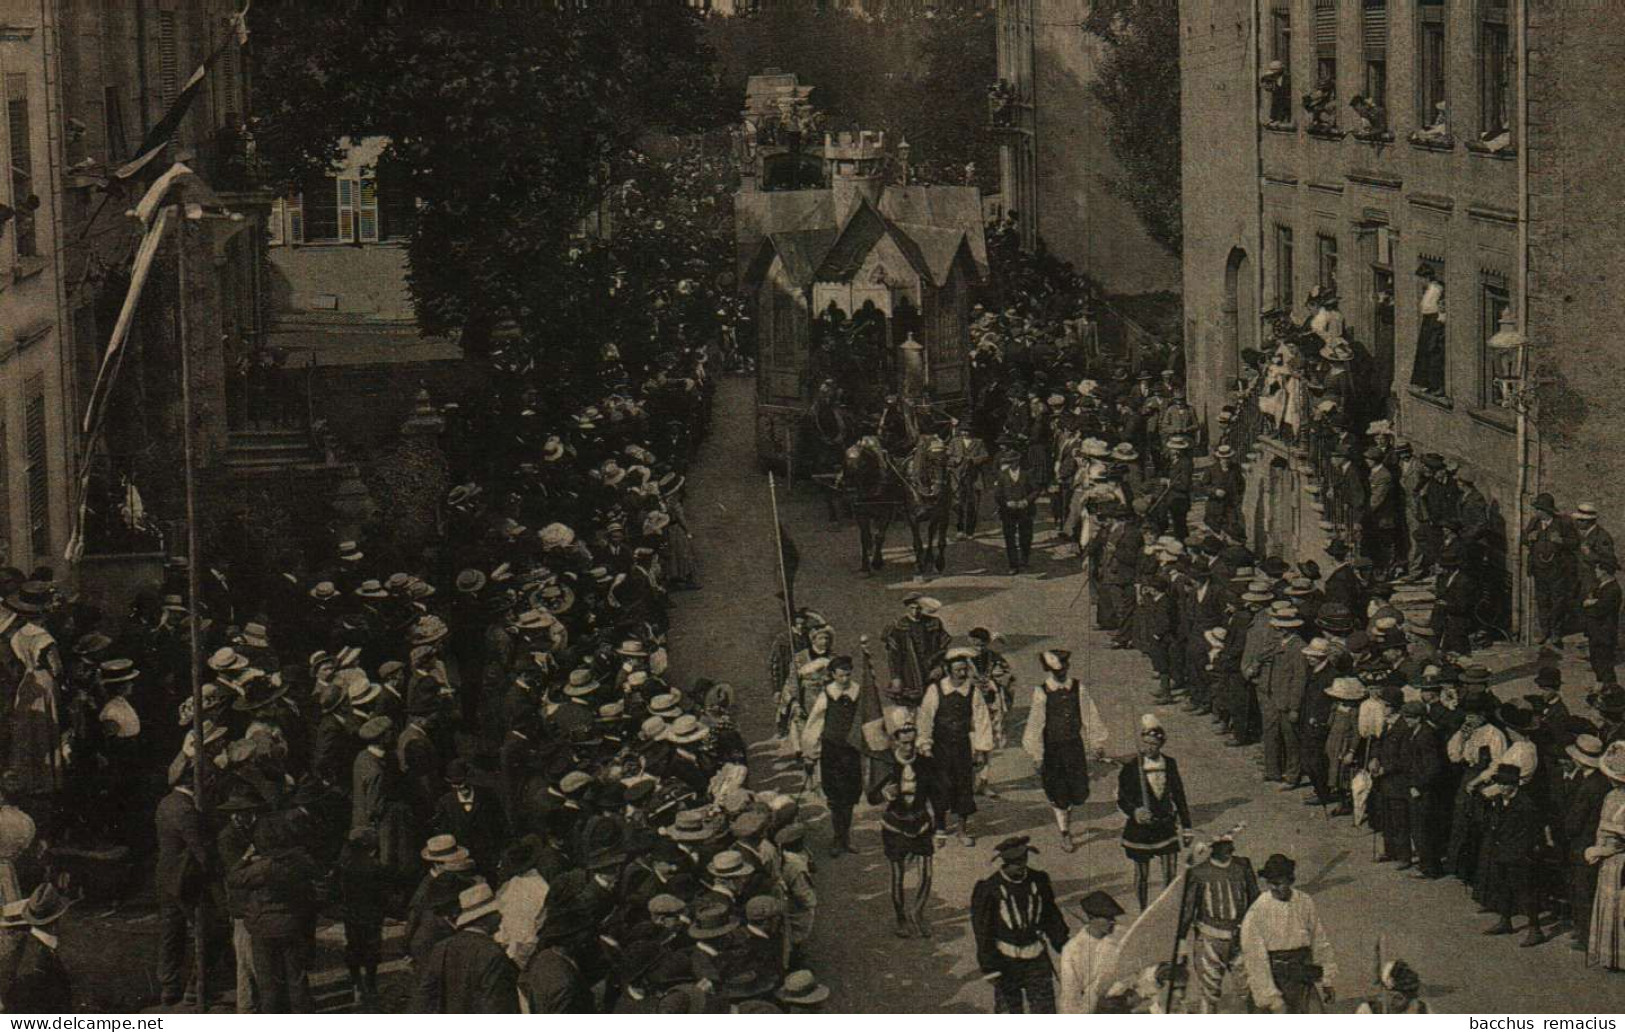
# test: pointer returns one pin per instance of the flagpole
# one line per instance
(199, 757)
(778, 550)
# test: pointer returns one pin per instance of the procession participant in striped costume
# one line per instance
(1218, 892)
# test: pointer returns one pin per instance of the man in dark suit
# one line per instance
(1226, 489)
(1012, 914)
(1519, 825)
(1453, 610)
(1409, 761)
(1181, 477)
(1553, 547)
(1344, 585)
(468, 972)
(186, 864)
(38, 982)
(473, 816)
(1015, 492)
(1599, 617)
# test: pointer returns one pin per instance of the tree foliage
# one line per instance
(894, 70)
(1138, 85)
(504, 121)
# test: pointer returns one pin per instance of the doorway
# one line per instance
(1240, 314)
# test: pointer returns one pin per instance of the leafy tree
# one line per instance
(505, 121)
(1138, 85)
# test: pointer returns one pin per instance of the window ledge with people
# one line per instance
(1443, 401)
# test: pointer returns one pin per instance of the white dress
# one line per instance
(1607, 945)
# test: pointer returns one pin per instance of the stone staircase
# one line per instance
(251, 451)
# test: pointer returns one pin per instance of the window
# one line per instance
(1494, 70)
(1497, 367)
(397, 208)
(321, 211)
(1326, 262)
(169, 77)
(1374, 44)
(1281, 36)
(1430, 58)
(23, 194)
(38, 472)
(113, 115)
(1283, 267)
(1326, 43)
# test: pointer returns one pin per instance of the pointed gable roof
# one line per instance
(864, 229)
(942, 207)
(937, 248)
(802, 252)
(760, 214)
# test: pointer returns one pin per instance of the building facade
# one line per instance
(1055, 161)
(1386, 138)
(84, 84)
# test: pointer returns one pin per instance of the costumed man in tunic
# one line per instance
(797, 689)
(993, 679)
(1151, 795)
(1014, 917)
(831, 740)
(956, 735)
(1090, 956)
(1288, 956)
(899, 781)
(1218, 892)
(914, 648)
(1064, 729)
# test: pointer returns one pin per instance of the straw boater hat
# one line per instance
(1319, 648)
(1178, 442)
(1125, 452)
(802, 989)
(1286, 618)
(1586, 512)
(476, 902)
(1349, 689)
(581, 683)
(1612, 762)
(1586, 750)
(686, 730)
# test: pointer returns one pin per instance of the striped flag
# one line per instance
(163, 131)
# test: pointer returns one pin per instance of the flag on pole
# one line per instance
(163, 131)
(144, 257)
(1148, 940)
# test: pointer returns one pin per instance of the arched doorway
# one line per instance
(1240, 313)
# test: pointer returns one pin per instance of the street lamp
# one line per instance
(1509, 351)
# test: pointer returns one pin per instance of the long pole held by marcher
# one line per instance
(199, 760)
(778, 550)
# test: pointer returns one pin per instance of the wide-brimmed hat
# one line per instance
(1349, 689)
(226, 659)
(42, 907)
(1258, 591)
(428, 630)
(1545, 503)
(581, 683)
(259, 693)
(30, 597)
(1586, 512)
(686, 730)
(1318, 648)
(323, 591)
(376, 728)
(1612, 762)
(1100, 904)
(535, 620)
(1125, 452)
(1337, 350)
(1215, 636)
(469, 582)
(1224, 451)
(802, 989)
(1586, 750)
(712, 921)
(1335, 617)
(690, 826)
(117, 671)
(730, 863)
(1286, 619)
(476, 901)
(1178, 442)
(632, 648)
(443, 849)
(1278, 868)
(1016, 847)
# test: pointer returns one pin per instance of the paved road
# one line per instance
(724, 632)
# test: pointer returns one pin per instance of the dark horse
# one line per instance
(930, 504)
(875, 494)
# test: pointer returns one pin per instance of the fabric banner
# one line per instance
(163, 131)
(144, 257)
(1149, 941)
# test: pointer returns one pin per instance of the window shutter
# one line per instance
(22, 163)
(1325, 26)
(347, 204)
(1374, 27)
(230, 94)
(367, 210)
(273, 227)
(39, 474)
(168, 58)
(296, 219)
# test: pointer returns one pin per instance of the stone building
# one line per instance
(1054, 158)
(84, 84)
(1478, 149)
